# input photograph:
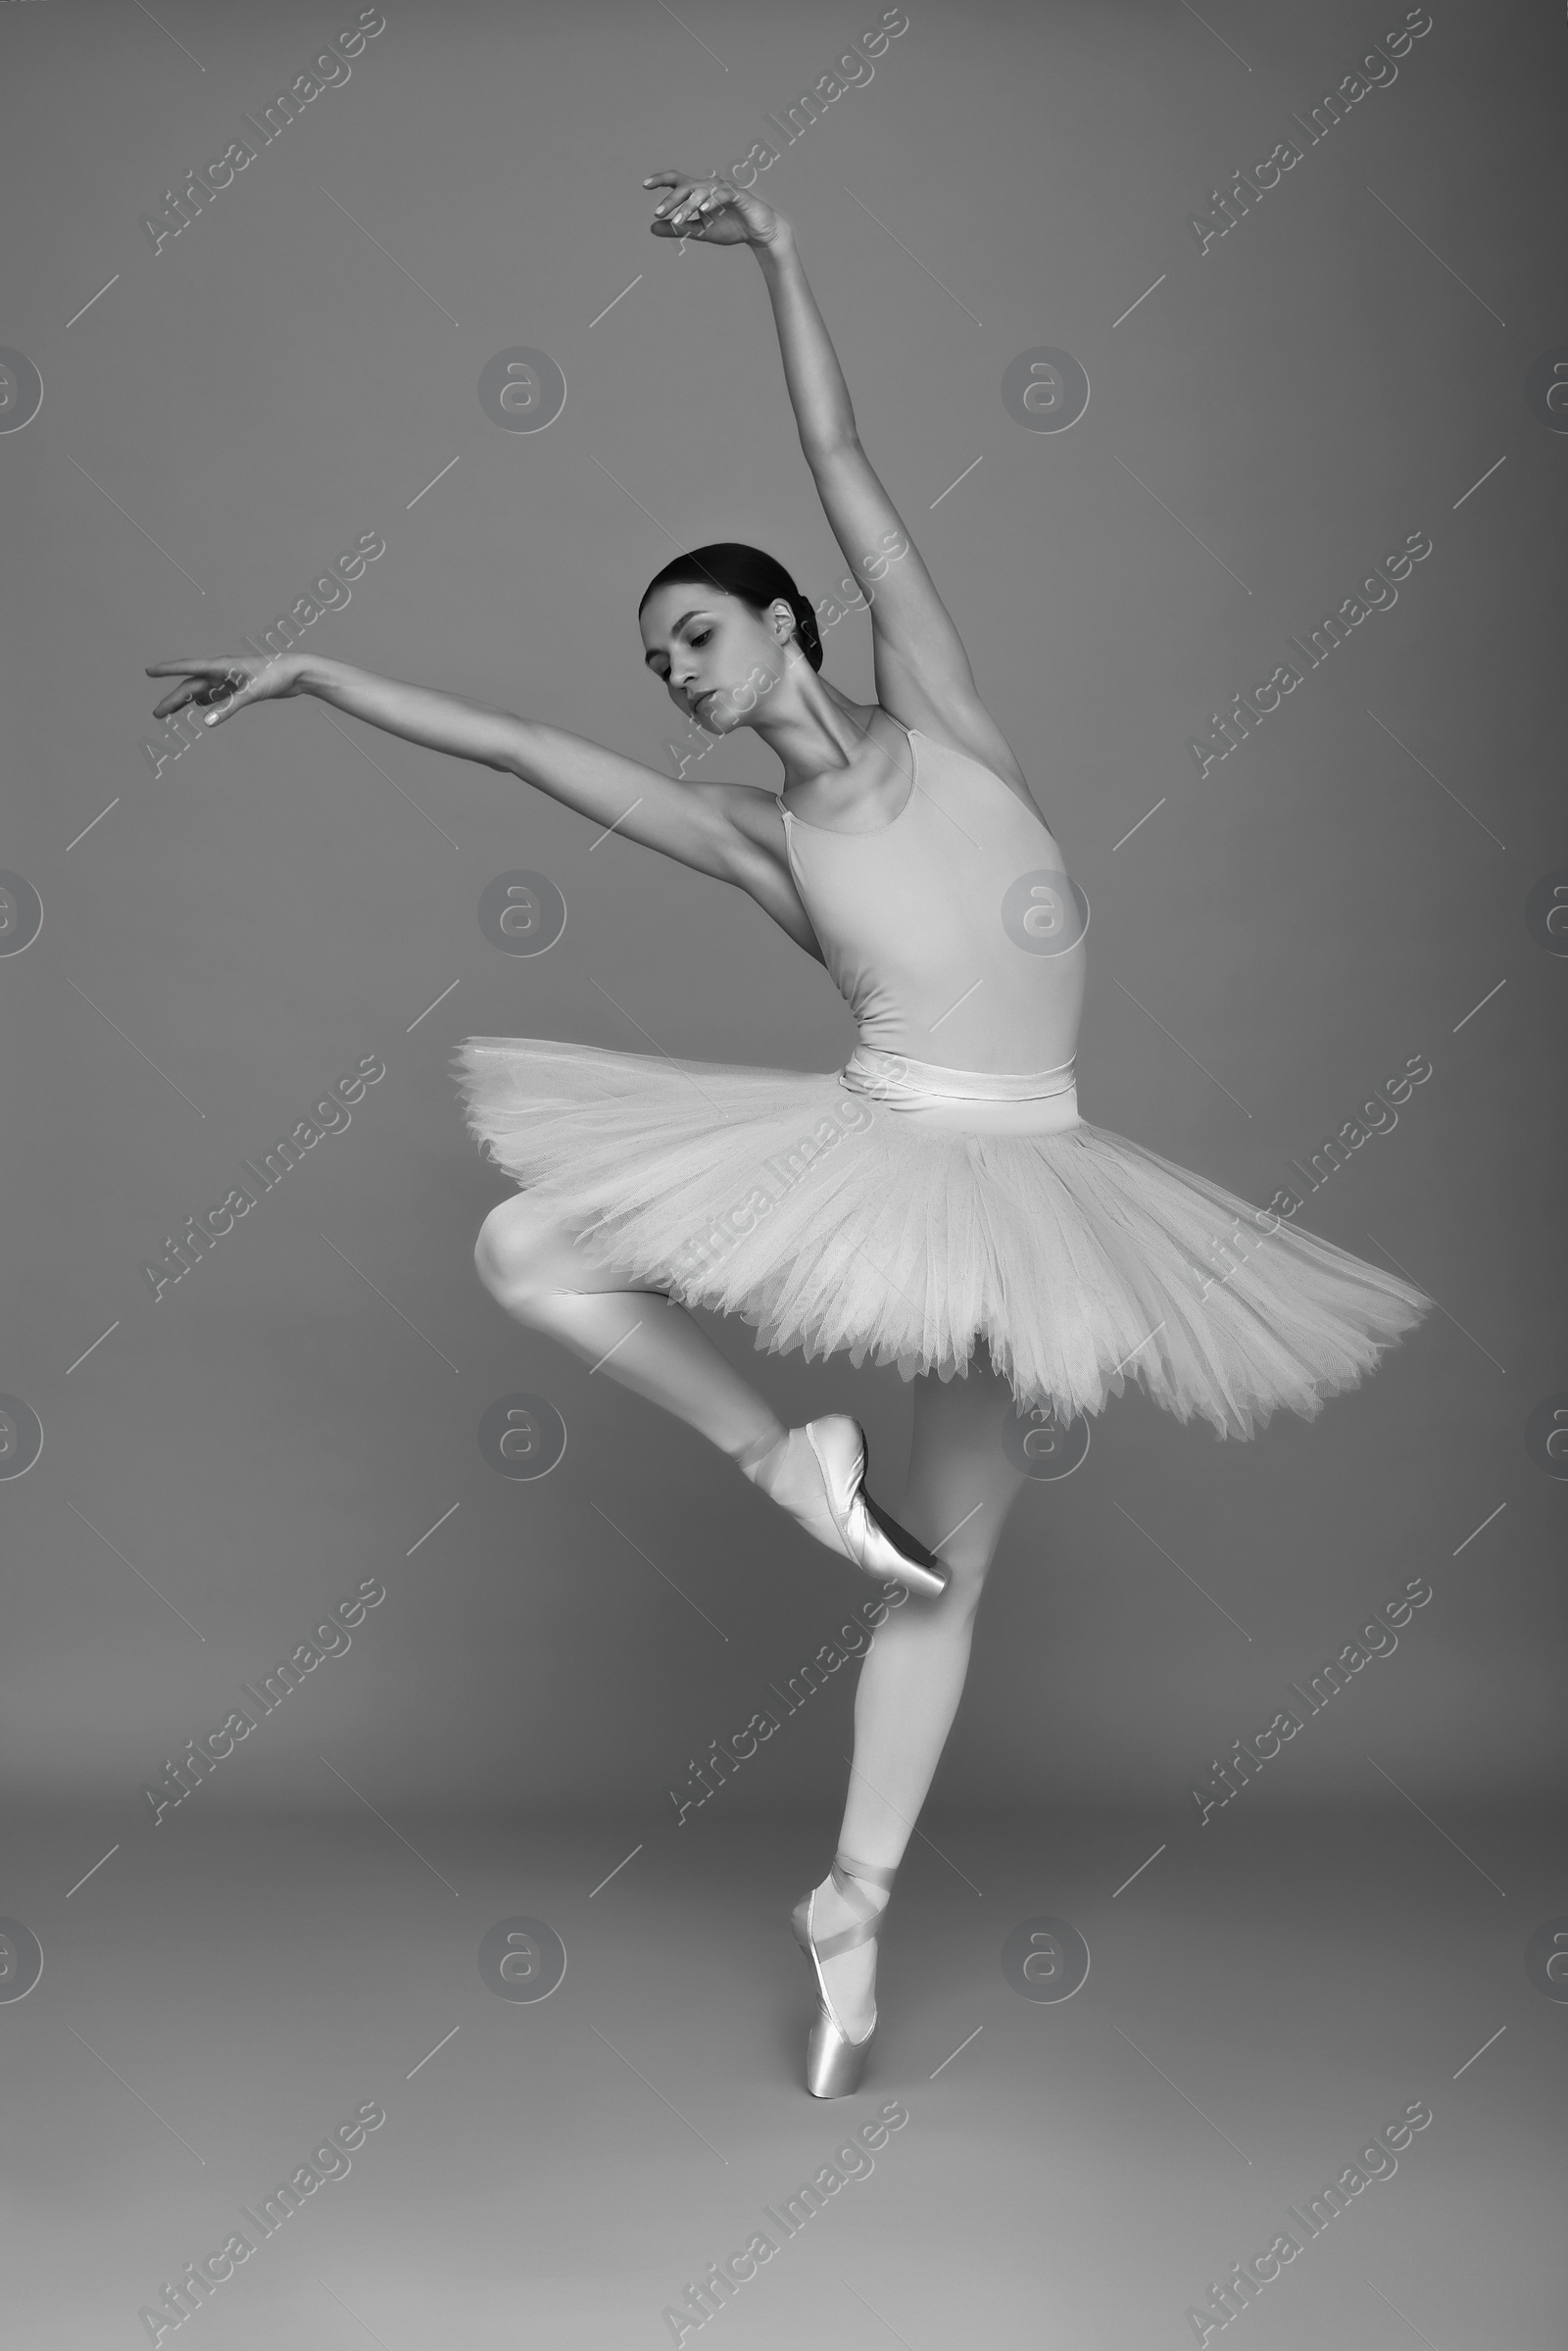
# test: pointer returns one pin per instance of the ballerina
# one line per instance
(939, 1202)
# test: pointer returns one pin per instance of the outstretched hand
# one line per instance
(221, 687)
(712, 209)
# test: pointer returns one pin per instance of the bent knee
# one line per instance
(520, 1249)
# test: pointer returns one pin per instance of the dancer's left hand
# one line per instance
(714, 209)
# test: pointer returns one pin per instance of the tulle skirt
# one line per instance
(850, 1212)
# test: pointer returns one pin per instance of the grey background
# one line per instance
(1275, 417)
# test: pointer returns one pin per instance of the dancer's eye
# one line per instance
(703, 639)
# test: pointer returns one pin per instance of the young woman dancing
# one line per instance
(938, 1203)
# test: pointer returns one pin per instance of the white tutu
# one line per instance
(832, 1223)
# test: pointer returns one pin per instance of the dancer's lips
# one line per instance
(702, 698)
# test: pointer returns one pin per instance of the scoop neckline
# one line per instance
(835, 832)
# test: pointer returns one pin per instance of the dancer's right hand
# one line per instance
(221, 687)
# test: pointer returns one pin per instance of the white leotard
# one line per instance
(952, 932)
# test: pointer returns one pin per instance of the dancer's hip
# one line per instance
(973, 1100)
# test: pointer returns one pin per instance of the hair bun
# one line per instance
(758, 579)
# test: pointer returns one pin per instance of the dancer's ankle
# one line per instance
(749, 1457)
(869, 1881)
(865, 1900)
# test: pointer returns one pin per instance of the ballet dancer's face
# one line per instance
(718, 657)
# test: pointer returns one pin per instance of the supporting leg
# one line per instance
(960, 1487)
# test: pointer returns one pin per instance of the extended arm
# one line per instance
(923, 671)
(466, 730)
(718, 829)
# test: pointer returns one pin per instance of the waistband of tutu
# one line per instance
(893, 1077)
(928, 1094)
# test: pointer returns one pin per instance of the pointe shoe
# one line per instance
(819, 1478)
(833, 2060)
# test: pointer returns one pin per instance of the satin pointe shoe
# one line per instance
(818, 1474)
(833, 2061)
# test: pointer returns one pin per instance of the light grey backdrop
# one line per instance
(1272, 411)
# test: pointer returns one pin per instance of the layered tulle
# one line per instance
(1079, 1260)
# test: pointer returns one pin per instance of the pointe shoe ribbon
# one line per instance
(821, 1482)
(834, 2062)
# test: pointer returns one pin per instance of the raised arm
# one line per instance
(718, 829)
(923, 671)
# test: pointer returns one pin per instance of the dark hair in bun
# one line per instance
(755, 578)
